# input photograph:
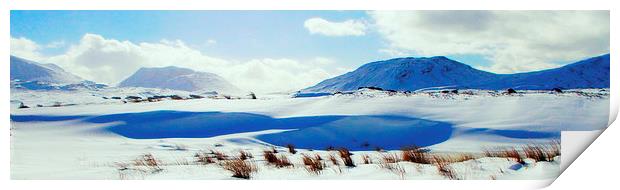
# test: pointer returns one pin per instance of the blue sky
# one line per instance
(289, 50)
(239, 35)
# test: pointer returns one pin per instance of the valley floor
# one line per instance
(113, 140)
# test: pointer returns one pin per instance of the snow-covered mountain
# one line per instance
(178, 79)
(588, 73)
(30, 75)
(404, 74)
(26, 70)
(434, 72)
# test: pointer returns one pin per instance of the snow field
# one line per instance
(76, 142)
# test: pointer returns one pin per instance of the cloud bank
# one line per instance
(111, 61)
(328, 28)
(23, 47)
(514, 41)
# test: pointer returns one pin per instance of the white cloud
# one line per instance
(25, 48)
(264, 75)
(111, 61)
(514, 41)
(56, 44)
(328, 28)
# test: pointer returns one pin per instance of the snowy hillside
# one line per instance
(419, 73)
(589, 73)
(26, 70)
(178, 79)
(30, 75)
(404, 74)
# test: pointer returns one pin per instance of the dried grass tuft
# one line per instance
(291, 148)
(345, 155)
(416, 155)
(542, 152)
(508, 153)
(203, 158)
(240, 168)
(243, 155)
(149, 161)
(313, 164)
(273, 159)
(366, 159)
(219, 155)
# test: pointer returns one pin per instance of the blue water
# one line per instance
(309, 95)
(361, 132)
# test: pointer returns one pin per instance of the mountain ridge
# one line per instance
(27, 70)
(410, 73)
(31, 75)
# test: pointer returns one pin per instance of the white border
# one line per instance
(597, 162)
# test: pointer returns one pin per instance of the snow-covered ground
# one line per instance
(96, 138)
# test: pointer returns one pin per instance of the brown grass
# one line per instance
(537, 152)
(283, 162)
(390, 158)
(555, 149)
(395, 168)
(240, 168)
(366, 159)
(270, 157)
(542, 152)
(446, 170)
(464, 157)
(508, 153)
(345, 155)
(279, 162)
(416, 155)
(318, 157)
(291, 148)
(219, 155)
(334, 161)
(203, 158)
(148, 160)
(243, 155)
(313, 165)
(442, 162)
(390, 162)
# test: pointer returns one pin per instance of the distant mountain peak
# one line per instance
(27, 70)
(27, 74)
(177, 78)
